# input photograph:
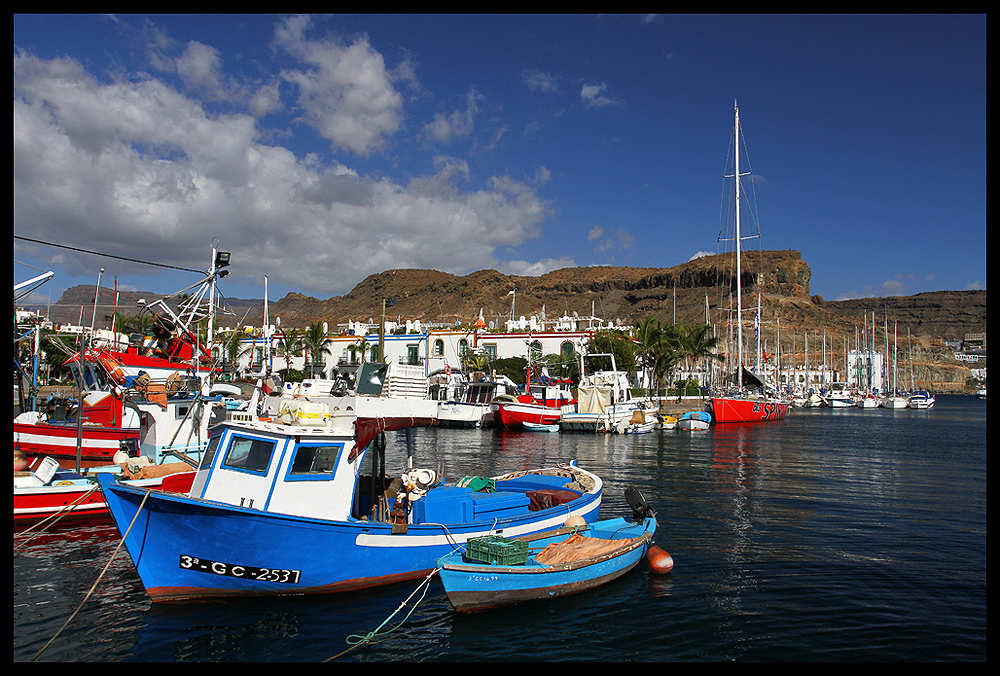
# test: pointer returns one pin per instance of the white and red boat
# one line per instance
(49, 491)
(512, 412)
(108, 378)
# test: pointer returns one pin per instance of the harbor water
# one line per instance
(834, 535)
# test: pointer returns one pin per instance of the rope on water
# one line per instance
(54, 518)
(356, 640)
(94, 586)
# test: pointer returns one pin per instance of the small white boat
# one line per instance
(921, 399)
(895, 401)
(868, 402)
(693, 421)
(641, 422)
(539, 427)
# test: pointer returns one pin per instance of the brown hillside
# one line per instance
(627, 295)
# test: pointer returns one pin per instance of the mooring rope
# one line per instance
(357, 640)
(94, 586)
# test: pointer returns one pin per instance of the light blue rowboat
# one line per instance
(565, 561)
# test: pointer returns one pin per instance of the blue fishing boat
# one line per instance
(493, 572)
(281, 507)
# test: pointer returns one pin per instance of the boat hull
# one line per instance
(187, 548)
(738, 410)
(473, 587)
(694, 421)
(513, 415)
(463, 414)
(59, 441)
(71, 499)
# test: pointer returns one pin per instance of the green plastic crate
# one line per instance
(496, 549)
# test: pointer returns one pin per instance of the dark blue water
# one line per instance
(833, 535)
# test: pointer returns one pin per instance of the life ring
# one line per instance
(447, 370)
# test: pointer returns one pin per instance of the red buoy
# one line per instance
(659, 561)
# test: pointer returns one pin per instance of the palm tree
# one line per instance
(234, 349)
(658, 348)
(315, 340)
(648, 334)
(291, 345)
(699, 345)
(472, 362)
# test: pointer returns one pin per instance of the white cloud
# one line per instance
(458, 124)
(200, 68)
(536, 80)
(536, 269)
(596, 96)
(136, 168)
(346, 93)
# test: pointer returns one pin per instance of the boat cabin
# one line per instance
(310, 462)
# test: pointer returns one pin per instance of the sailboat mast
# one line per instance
(739, 269)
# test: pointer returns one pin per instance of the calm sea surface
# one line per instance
(833, 535)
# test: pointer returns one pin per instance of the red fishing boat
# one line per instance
(512, 412)
(106, 376)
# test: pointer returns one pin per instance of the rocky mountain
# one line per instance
(686, 293)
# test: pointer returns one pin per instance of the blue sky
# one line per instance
(322, 149)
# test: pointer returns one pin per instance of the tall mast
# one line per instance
(739, 269)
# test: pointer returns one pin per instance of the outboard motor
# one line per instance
(640, 508)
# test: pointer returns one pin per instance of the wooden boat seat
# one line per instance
(578, 547)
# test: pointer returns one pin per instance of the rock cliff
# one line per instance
(686, 293)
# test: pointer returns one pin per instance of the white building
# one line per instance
(433, 349)
(866, 372)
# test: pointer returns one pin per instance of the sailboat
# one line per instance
(742, 405)
(895, 400)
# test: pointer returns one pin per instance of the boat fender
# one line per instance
(660, 562)
(575, 521)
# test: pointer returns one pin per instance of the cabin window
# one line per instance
(249, 455)
(213, 445)
(314, 461)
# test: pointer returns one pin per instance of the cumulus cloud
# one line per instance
(538, 268)
(134, 167)
(596, 96)
(458, 124)
(538, 81)
(346, 93)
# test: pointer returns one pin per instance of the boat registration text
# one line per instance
(244, 572)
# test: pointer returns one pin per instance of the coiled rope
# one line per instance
(94, 586)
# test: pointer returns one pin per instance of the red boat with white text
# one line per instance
(744, 405)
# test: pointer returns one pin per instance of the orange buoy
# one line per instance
(659, 561)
